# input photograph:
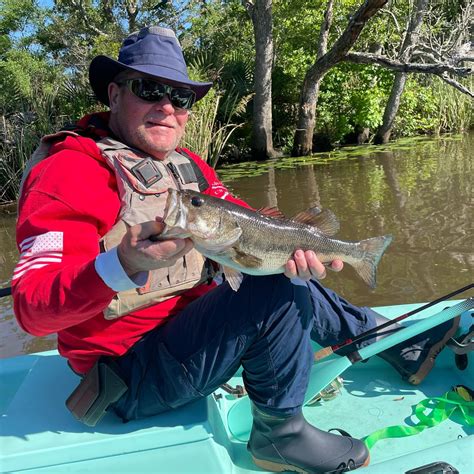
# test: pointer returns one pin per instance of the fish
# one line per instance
(247, 241)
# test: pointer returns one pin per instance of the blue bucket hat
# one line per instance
(153, 50)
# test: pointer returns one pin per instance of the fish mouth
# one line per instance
(174, 216)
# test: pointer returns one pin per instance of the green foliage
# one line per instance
(22, 75)
(454, 111)
(417, 110)
(15, 14)
(430, 106)
(21, 132)
(352, 97)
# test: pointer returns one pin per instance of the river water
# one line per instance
(420, 191)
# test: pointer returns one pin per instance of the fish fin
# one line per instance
(324, 220)
(234, 277)
(217, 247)
(373, 250)
(246, 259)
(272, 212)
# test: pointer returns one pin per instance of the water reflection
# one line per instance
(420, 193)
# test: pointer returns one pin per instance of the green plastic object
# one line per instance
(426, 414)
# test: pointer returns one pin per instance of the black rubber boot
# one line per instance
(414, 358)
(291, 444)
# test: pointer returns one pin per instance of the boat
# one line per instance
(39, 434)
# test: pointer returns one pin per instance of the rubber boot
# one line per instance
(414, 358)
(291, 444)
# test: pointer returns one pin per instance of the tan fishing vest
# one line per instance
(143, 183)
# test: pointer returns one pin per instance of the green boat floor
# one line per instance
(38, 434)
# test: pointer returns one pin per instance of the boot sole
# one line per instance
(278, 467)
(427, 365)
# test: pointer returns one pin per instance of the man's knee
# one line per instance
(276, 296)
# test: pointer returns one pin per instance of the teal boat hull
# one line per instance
(38, 434)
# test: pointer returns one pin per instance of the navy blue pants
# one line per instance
(266, 327)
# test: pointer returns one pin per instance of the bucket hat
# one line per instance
(153, 50)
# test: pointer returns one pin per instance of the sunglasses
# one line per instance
(153, 91)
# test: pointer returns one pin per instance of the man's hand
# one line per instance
(137, 253)
(306, 265)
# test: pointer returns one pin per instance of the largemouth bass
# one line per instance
(247, 241)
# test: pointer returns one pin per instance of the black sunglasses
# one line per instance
(153, 91)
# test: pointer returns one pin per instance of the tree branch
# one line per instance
(394, 18)
(367, 58)
(324, 31)
(462, 59)
(440, 70)
(350, 35)
(456, 85)
(85, 17)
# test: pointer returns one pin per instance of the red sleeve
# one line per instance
(69, 202)
(216, 188)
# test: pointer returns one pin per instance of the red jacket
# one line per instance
(70, 201)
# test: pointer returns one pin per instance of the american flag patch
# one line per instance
(39, 251)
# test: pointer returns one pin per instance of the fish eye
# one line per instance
(197, 201)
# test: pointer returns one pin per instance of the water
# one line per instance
(419, 191)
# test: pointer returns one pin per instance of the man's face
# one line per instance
(153, 127)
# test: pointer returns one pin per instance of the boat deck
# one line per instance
(40, 435)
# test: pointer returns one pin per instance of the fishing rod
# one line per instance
(327, 351)
(5, 292)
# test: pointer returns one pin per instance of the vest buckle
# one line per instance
(147, 172)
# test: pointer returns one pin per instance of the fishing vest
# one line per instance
(143, 184)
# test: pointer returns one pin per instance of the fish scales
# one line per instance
(276, 240)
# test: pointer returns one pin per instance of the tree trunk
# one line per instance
(391, 109)
(262, 141)
(303, 142)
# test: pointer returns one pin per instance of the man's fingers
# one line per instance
(176, 247)
(290, 269)
(137, 252)
(302, 265)
(336, 265)
(306, 265)
(147, 229)
(316, 268)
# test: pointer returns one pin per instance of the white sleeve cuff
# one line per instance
(109, 268)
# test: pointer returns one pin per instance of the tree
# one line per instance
(410, 45)
(325, 60)
(260, 12)
(411, 38)
(430, 62)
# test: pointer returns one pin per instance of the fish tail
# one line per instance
(372, 250)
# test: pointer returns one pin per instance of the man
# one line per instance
(148, 312)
